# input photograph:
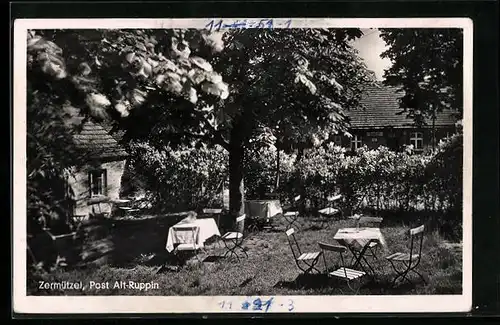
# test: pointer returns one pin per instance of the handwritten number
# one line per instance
(227, 304)
(268, 304)
(290, 305)
(245, 305)
(263, 23)
(219, 25)
(257, 304)
(210, 25)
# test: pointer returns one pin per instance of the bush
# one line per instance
(388, 180)
(183, 178)
(260, 172)
(378, 178)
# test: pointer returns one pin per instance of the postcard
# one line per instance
(242, 165)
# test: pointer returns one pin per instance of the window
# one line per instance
(337, 139)
(97, 182)
(417, 140)
(356, 142)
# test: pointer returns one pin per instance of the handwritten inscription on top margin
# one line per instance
(219, 24)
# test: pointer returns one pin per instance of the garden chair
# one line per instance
(292, 216)
(187, 237)
(216, 214)
(411, 260)
(330, 211)
(373, 246)
(341, 272)
(213, 212)
(77, 221)
(63, 244)
(306, 262)
(234, 239)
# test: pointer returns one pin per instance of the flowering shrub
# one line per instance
(180, 179)
(379, 178)
(260, 172)
(385, 179)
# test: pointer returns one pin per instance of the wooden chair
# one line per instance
(292, 216)
(188, 235)
(411, 260)
(306, 262)
(365, 221)
(341, 272)
(331, 210)
(234, 239)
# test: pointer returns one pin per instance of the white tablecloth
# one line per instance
(207, 229)
(265, 209)
(359, 236)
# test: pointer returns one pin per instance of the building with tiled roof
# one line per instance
(380, 121)
(97, 184)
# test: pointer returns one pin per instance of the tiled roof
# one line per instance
(117, 134)
(98, 142)
(381, 107)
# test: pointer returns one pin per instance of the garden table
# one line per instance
(261, 212)
(207, 229)
(359, 238)
(265, 209)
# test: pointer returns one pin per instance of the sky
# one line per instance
(370, 46)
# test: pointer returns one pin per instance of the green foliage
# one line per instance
(260, 172)
(181, 179)
(428, 66)
(444, 174)
(377, 178)
(382, 178)
(168, 78)
(294, 84)
(169, 87)
(50, 153)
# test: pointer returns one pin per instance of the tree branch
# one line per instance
(206, 137)
(217, 135)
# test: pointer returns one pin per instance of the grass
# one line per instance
(268, 270)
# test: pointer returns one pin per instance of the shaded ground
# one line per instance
(137, 250)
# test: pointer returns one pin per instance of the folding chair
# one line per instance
(233, 240)
(77, 220)
(188, 235)
(409, 260)
(292, 216)
(373, 246)
(306, 262)
(330, 211)
(342, 272)
(216, 213)
(63, 244)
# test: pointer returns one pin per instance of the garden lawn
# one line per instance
(270, 269)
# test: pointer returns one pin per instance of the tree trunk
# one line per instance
(236, 186)
(277, 180)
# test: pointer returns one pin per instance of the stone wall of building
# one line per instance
(78, 180)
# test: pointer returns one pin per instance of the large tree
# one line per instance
(176, 86)
(427, 65)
